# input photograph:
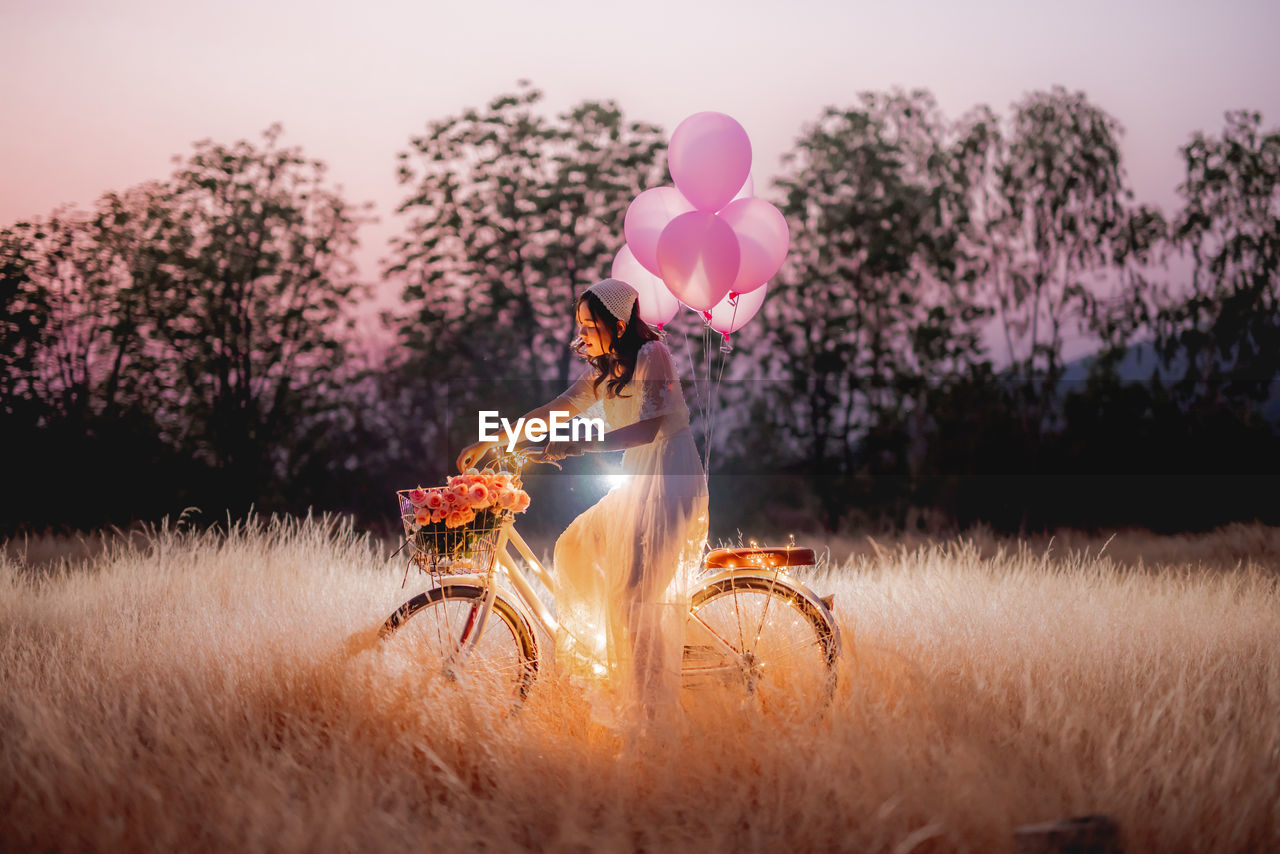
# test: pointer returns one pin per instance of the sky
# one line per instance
(100, 96)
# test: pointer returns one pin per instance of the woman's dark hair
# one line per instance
(622, 349)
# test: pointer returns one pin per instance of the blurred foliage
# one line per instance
(192, 341)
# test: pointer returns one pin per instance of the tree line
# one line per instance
(191, 341)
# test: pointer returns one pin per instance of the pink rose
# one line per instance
(458, 489)
(434, 500)
(422, 516)
(459, 517)
(522, 502)
(478, 495)
(417, 496)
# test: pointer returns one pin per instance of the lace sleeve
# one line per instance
(581, 393)
(658, 384)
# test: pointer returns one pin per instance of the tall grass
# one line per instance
(203, 691)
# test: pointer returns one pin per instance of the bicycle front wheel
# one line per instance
(765, 637)
(440, 630)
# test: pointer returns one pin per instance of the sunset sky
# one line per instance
(100, 95)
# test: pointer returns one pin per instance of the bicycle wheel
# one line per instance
(435, 629)
(763, 636)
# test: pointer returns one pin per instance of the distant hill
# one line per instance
(1141, 362)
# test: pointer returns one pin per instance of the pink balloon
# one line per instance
(698, 259)
(733, 312)
(710, 158)
(647, 215)
(763, 237)
(657, 305)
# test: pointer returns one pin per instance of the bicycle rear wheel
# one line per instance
(436, 630)
(765, 637)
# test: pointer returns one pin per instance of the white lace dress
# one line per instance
(623, 566)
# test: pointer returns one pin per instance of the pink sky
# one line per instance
(100, 95)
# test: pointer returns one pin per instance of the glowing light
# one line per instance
(601, 644)
(613, 481)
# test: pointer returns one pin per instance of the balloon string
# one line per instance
(693, 373)
(711, 403)
(715, 391)
(699, 387)
(715, 415)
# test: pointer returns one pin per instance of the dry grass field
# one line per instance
(198, 692)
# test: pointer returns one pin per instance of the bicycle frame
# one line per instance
(532, 608)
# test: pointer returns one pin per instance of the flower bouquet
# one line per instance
(454, 528)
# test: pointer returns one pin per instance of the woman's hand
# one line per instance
(471, 454)
(559, 450)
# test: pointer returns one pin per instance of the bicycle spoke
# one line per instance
(780, 649)
(764, 612)
(798, 650)
(698, 616)
(441, 632)
(738, 613)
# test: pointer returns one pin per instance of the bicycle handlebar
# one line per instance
(521, 456)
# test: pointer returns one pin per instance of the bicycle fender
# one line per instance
(464, 580)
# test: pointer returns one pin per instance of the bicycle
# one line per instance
(750, 622)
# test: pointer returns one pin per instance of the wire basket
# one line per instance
(468, 548)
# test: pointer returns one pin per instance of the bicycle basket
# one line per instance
(451, 547)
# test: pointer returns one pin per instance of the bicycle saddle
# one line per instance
(740, 558)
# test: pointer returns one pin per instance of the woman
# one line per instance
(622, 567)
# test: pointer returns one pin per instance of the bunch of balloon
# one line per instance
(707, 243)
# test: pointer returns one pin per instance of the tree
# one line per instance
(80, 385)
(1226, 326)
(95, 360)
(23, 320)
(871, 307)
(1052, 223)
(511, 214)
(192, 329)
(248, 278)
